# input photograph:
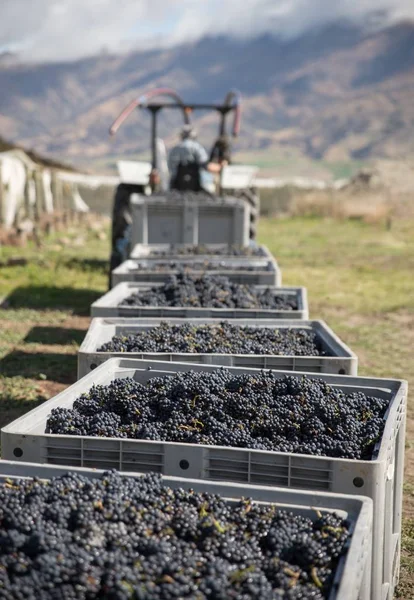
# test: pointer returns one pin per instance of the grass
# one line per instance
(359, 280)
(283, 163)
(343, 169)
(44, 314)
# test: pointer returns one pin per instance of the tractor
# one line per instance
(153, 178)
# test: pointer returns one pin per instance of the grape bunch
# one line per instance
(209, 251)
(223, 338)
(123, 538)
(210, 291)
(288, 414)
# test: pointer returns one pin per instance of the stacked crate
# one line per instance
(302, 480)
(189, 218)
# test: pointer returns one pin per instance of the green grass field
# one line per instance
(287, 163)
(359, 279)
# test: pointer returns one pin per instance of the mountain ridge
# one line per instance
(338, 93)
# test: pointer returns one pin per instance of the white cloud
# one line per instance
(60, 29)
(284, 17)
(63, 29)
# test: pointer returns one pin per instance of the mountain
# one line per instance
(335, 94)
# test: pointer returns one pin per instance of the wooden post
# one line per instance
(37, 206)
(74, 212)
(65, 193)
(27, 206)
(39, 195)
(57, 192)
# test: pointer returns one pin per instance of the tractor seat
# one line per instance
(187, 178)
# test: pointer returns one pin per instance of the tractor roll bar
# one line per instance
(142, 102)
(232, 102)
(236, 96)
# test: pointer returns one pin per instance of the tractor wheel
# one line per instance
(253, 224)
(251, 196)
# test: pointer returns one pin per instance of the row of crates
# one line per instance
(368, 492)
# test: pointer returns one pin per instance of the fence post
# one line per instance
(39, 195)
(29, 209)
(56, 185)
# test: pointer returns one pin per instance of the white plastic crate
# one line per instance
(152, 252)
(352, 577)
(159, 220)
(379, 479)
(108, 306)
(238, 177)
(341, 359)
(134, 172)
(256, 271)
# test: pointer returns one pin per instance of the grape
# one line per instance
(115, 537)
(182, 250)
(210, 291)
(224, 338)
(290, 414)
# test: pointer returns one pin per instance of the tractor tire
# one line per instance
(254, 217)
(251, 196)
(121, 226)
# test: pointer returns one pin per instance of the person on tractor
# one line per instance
(186, 160)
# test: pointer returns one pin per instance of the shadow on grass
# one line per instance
(17, 396)
(97, 265)
(75, 300)
(12, 409)
(55, 335)
(51, 366)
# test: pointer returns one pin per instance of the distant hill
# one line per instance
(334, 95)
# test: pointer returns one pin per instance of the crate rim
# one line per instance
(165, 247)
(138, 199)
(8, 466)
(132, 266)
(309, 324)
(216, 260)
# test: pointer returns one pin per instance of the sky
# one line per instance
(54, 30)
